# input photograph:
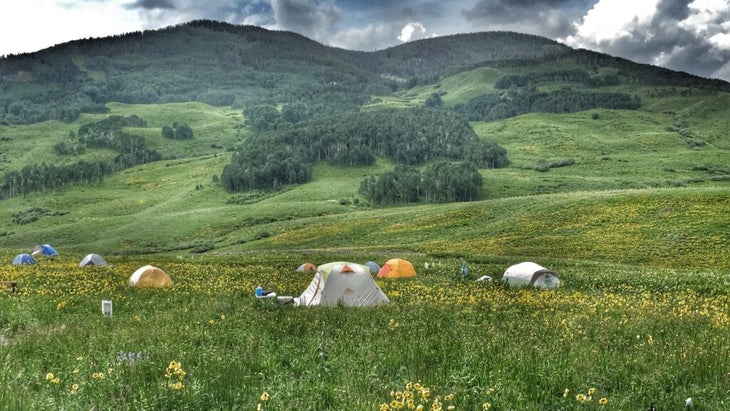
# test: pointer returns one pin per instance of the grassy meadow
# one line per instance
(629, 210)
(613, 337)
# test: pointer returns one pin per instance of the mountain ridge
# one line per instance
(227, 65)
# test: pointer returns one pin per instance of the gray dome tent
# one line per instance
(92, 259)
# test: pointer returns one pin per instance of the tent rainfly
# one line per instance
(149, 276)
(45, 250)
(531, 274)
(91, 260)
(397, 268)
(344, 283)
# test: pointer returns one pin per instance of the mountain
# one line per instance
(109, 144)
(226, 65)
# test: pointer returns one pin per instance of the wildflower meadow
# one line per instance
(612, 337)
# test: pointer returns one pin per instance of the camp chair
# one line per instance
(267, 299)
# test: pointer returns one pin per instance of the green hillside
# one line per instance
(646, 185)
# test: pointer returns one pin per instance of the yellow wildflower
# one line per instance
(591, 391)
(603, 401)
(486, 406)
(49, 376)
(581, 398)
(566, 393)
(265, 396)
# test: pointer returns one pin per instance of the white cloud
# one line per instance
(721, 41)
(32, 25)
(260, 20)
(611, 20)
(412, 31)
(368, 38)
(692, 37)
(705, 15)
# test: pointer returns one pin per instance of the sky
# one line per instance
(685, 35)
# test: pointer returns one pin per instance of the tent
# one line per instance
(397, 268)
(44, 249)
(528, 273)
(374, 267)
(307, 268)
(23, 259)
(350, 284)
(92, 259)
(149, 276)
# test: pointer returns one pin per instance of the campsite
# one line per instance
(187, 227)
(614, 334)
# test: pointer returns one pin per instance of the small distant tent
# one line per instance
(44, 250)
(150, 276)
(21, 259)
(92, 260)
(307, 268)
(374, 267)
(347, 283)
(397, 268)
(531, 274)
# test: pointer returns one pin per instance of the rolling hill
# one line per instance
(643, 184)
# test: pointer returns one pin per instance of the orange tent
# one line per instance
(307, 268)
(397, 268)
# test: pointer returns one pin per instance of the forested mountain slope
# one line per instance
(261, 140)
(225, 65)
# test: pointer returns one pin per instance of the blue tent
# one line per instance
(23, 259)
(374, 267)
(45, 250)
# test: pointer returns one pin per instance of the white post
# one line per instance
(106, 308)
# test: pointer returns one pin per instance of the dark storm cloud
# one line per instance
(549, 18)
(673, 9)
(313, 19)
(509, 10)
(152, 4)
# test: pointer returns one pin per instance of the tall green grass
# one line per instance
(624, 335)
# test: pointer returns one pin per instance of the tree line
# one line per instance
(441, 181)
(515, 102)
(409, 137)
(131, 151)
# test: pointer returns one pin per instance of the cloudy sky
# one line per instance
(685, 35)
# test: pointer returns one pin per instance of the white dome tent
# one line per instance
(344, 283)
(531, 274)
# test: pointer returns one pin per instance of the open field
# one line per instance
(630, 207)
(615, 337)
